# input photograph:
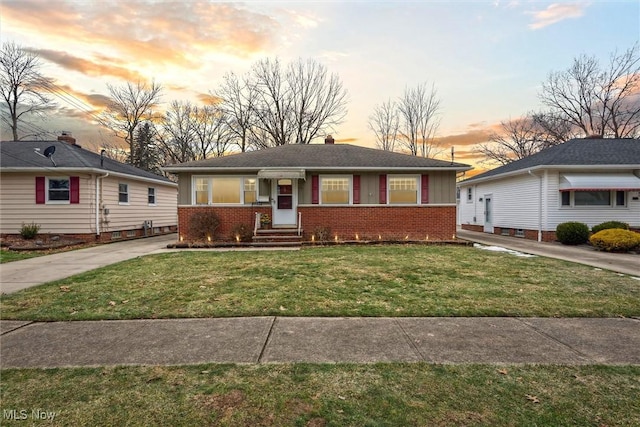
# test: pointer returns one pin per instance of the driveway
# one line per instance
(18, 275)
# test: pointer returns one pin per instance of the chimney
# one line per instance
(66, 137)
(329, 140)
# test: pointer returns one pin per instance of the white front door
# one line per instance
(285, 204)
(488, 214)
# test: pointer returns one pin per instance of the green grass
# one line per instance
(9, 256)
(328, 395)
(332, 281)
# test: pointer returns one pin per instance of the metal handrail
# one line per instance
(256, 224)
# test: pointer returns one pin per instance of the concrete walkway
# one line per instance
(582, 254)
(320, 340)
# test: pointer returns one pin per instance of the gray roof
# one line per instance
(317, 157)
(576, 152)
(21, 155)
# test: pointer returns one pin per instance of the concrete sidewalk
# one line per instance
(582, 254)
(320, 340)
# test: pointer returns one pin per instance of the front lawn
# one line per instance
(325, 395)
(332, 281)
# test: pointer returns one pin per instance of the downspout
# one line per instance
(99, 200)
(539, 205)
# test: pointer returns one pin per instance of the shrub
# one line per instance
(242, 233)
(203, 225)
(616, 240)
(29, 231)
(572, 233)
(322, 234)
(608, 225)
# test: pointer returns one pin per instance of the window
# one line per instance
(592, 198)
(123, 193)
(469, 195)
(151, 196)
(334, 190)
(202, 191)
(403, 190)
(225, 190)
(58, 190)
(250, 195)
(599, 198)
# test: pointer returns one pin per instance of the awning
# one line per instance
(281, 173)
(599, 181)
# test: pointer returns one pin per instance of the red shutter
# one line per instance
(424, 199)
(40, 192)
(356, 189)
(383, 190)
(74, 189)
(314, 190)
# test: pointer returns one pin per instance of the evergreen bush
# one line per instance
(572, 233)
(608, 225)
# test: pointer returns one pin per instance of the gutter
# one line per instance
(93, 171)
(99, 179)
(539, 204)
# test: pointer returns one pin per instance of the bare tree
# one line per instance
(213, 134)
(130, 105)
(595, 99)
(419, 108)
(319, 100)
(384, 123)
(238, 106)
(516, 140)
(22, 85)
(177, 132)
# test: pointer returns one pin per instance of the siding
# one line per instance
(591, 215)
(132, 215)
(18, 206)
(514, 200)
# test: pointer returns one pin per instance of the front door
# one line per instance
(285, 205)
(488, 214)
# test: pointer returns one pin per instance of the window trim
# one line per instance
(209, 179)
(349, 179)
(128, 193)
(613, 195)
(418, 179)
(47, 189)
(155, 199)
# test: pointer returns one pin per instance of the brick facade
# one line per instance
(547, 236)
(367, 222)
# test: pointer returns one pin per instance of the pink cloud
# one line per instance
(555, 13)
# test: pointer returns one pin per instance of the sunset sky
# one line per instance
(487, 59)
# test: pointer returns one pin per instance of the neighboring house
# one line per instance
(586, 180)
(78, 193)
(353, 192)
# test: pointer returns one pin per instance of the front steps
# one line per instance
(277, 237)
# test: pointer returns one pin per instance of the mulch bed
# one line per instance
(39, 243)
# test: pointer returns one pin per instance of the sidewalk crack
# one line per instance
(556, 340)
(410, 340)
(268, 339)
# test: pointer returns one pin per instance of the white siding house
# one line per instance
(585, 180)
